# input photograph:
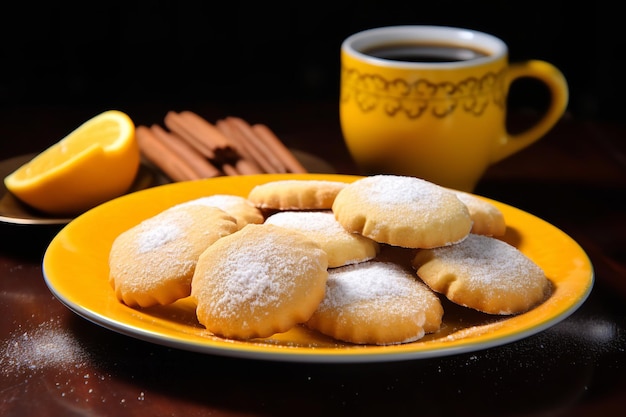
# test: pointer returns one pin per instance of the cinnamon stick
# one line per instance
(270, 162)
(195, 148)
(159, 154)
(272, 142)
(256, 163)
(200, 130)
(246, 167)
(175, 124)
(201, 166)
(230, 170)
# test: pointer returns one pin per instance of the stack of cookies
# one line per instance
(365, 262)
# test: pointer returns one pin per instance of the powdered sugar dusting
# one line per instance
(377, 302)
(313, 221)
(225, 202)
(157, 235)
(342, 246)
(46, 346)
(491, 264)
(399, 190)
(365, 281)
(253, 275)
(251, 281)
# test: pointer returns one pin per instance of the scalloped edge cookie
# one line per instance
(378, 303)
(487, 219)
(296, 194)
(484, 273)
(153, 262)
(342, 247)
(261, 280)
(239, 207)
(402, 211)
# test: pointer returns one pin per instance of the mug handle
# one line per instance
(557, 86)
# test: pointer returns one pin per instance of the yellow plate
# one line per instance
(76, 270)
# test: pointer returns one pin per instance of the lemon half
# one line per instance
(96, 162)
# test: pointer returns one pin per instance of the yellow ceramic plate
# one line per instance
(76, 270)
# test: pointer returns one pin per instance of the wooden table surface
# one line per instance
(55, 363)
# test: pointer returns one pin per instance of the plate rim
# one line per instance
(236, 349)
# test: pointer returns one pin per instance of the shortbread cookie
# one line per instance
(239, 207)
(295, 194)
(485, 274)
(402, 211)
(487, 219)
(377, 303)
(153, 262)
(261, 280)
(342, 247)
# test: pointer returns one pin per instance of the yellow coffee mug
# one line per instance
(430, 102)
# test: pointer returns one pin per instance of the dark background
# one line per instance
(100, 55)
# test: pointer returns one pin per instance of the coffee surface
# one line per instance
(408, 52)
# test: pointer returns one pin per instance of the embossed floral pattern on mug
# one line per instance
(372, 91)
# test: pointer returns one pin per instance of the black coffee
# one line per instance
(424, 53)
